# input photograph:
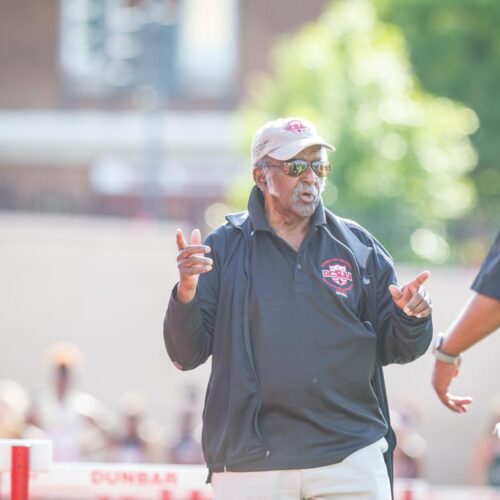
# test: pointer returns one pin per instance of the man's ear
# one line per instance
(259, 176)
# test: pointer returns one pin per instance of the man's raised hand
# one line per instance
(413, 298)
(191, 262)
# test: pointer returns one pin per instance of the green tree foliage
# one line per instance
(455, 49)
(402, 156)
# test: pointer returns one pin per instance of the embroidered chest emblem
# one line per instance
(337, 273)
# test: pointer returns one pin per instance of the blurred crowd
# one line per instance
(410, 453)
(82, 428)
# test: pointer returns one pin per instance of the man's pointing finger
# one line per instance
(421, 278)
(179, 239)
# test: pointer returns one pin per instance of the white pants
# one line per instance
(360, 476)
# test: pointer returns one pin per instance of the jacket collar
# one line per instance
(256, 215)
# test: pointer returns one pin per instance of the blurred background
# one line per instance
(121, 120)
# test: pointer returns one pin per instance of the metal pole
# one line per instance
(153, 157)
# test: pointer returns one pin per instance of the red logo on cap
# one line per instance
(295, 126)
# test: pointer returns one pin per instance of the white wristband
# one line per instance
(444, 356)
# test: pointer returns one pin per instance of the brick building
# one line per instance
(129, 107)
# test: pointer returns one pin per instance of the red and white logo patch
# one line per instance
(296, 126)
(337, 273)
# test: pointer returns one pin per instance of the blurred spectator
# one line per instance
(76, 422)
(485, 461)
(32, 428)
(13, 406)
(139, 440)
(187, 449)
(411, 446)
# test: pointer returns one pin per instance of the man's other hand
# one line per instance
(413, 298)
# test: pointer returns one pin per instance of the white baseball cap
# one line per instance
(283, 138)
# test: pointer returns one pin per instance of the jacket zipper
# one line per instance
(246, 332)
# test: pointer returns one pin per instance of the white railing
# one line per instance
(28, 465)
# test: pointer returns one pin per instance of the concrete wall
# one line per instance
(104, 284)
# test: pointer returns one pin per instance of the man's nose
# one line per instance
(309, 176)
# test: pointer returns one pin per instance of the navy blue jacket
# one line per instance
(216, 323)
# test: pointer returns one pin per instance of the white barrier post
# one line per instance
(411, 489)
(19, 457)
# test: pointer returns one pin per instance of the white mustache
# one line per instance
(312, 190)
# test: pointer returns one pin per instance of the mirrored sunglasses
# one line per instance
(294, 168)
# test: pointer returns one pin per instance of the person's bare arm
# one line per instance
(479, 318)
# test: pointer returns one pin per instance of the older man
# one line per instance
(299, 310)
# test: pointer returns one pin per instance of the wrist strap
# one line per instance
(444, 356)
